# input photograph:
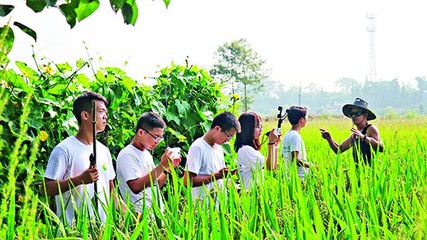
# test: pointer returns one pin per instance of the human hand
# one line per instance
(90, 175)
(356, 133)
(166, 160)
(325, 134)
(223, 173)
(274, 136)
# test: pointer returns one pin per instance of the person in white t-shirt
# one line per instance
(139, 178)
(69, 176)
(205, 167)
(293, 148)
(247, 145)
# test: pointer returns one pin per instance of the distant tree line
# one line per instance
(385, 97)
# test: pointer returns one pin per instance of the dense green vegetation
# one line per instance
(337, 201)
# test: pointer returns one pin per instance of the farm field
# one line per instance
(337, 201)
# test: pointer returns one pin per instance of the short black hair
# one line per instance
(295, 113)
(226, 121)
(84, 103)
(150, 120)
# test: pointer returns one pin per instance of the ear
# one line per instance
(84, 115)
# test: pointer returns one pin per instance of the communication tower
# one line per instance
(372, 76)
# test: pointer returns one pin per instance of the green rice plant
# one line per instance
(337, 200)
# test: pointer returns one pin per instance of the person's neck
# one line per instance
(208, 139)
(85, 137)
(296, 127)
(137, 144)
(361, 125)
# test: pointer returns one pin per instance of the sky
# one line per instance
(303, 42)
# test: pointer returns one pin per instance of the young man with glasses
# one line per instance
(139, 178)
(363, 138)
(205, 167)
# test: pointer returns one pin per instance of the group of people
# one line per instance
(71, 179)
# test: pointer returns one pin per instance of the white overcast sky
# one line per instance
(302, 41)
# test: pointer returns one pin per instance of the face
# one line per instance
(356, 114)
(151, 138)
(101, 116)
(258, 131)
(224, 136)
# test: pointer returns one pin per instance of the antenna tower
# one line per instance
(372, 76)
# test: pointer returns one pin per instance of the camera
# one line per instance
(280, 118)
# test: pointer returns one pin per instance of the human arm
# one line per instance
(198, 180)
(300, 162)
(372, 137)
(344, 146)
(54, 187)
(119, 204)
(273, 142)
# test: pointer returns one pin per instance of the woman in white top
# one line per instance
(247, 145)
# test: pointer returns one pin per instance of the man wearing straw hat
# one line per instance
(364, 137)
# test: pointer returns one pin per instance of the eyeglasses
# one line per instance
(356, 114)
(228, 136)
(156, 139)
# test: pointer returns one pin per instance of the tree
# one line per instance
(239, 65)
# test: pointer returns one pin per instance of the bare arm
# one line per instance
(157, 174)
(344, 146)
(199, 180)
(372, 137)
(300, 162)
(54, 187)
(273, 142)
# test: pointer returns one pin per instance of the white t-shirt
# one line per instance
(292, 142)
(202, 159)
(133, 163)
(69, 159)
(251, 164)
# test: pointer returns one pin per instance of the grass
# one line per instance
(337, 200)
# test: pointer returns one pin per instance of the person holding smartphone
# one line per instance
(247, 145)
(205, 168)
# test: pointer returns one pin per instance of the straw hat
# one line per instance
(361, 104)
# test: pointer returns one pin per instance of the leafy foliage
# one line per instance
(73, 10)
(185, 96)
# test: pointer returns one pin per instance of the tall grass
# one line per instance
(336, 201)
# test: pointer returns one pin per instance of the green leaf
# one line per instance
(130, 12)
(69, 13)
(74, 3)
(26, 30)
(7, 38)
(116, 5)
(64, 67)
(26, 71)
(51, 3)
(57, 89)
(36, 5)
(129, 83)
(83, 80)
(86, 8)
(166, 2)
(5, 10)
(17, 81)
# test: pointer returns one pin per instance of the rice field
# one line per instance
(337, 200)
